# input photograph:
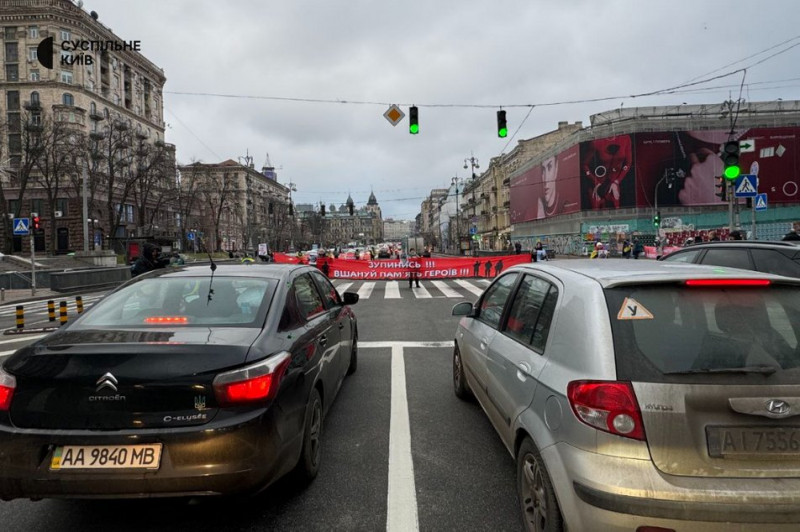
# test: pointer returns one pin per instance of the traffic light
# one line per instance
(722, 189)
(657, 219)
(350, 208)
(413, 121)
(502, 128)
(730, 158)
(322, 209)
(36, 223)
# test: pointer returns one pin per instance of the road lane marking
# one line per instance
(392, 290)
(6, 353)
(446, 290)
(366, 290)
(420, 292)
(380, 345)
(401, 514)
(22, 338)
(342, 288)
(469, 286)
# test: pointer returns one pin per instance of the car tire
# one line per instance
(308, 466)
(460, 385)
(353, 355)
(540, 511)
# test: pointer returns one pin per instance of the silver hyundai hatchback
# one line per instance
(641, 395)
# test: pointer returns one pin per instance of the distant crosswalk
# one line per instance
(445, 288)
(39, 308)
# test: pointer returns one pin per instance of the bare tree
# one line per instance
(154, 184)
(216, 196)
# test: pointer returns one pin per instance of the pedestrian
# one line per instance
(476, 269)
(735, 235)
(149, 260)
(487, 268)
(794, 234)
(498, 267)
(413, 267)
(426, 252)
(713, 236)
(517, 247)
(638, 248)
(626, 249)
(539, 251)
(325, 268)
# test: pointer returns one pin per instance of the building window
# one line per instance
(67, 99)
(65, 35)
(34, 98)
(12, 72)
(12, 100)
(36, 206)
(61, 205)
(34, 75)
(66, 77)
(36, 119)
(33, 53)
(12, 55)
(66, 57)
(10, 33)
(33, 32)
(93, 108)
(13, 206)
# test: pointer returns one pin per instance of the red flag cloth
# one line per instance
(427, 268)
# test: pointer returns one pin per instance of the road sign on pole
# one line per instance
(761, 202)
(21, 226)
(746, 186)
(394, 115)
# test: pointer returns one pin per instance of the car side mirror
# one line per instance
(350, 298)
(464, 308)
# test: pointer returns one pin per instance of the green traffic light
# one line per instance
(502, 132)
(732, 172)
(413, 129)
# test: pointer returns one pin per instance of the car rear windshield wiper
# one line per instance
(764, 370)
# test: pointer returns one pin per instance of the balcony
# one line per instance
(506, 181)
(34, 127)
(33, 106)
(507, 203)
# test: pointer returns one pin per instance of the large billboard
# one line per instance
(548, 189)
(623, 171)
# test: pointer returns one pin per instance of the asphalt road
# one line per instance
(448, 469)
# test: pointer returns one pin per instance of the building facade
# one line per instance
(95, 117)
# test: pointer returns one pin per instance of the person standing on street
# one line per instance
(794, 234)
(148, 260)
(638, 248)
(413, 267)
(517, 247)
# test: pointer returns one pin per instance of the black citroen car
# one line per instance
(201, 380)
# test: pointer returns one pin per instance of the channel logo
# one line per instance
(44, 52)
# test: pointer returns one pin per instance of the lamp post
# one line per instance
(669, 176)
(454, 181)
(471, 162)
(292, 188)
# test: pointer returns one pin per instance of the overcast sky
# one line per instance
(433, 54)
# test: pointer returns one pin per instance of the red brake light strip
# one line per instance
(728, 282)
(166, 320)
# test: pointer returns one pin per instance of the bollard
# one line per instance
(51, 310)
(62, 311)
(79, 304)
(2, 294)
(20, 318)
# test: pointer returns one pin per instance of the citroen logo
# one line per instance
(778, 407)
(106, 381)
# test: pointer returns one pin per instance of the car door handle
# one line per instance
(523, 371)
(323, 340)
(484, 343)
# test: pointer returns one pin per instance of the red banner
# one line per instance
(427, 268)
(284, 258)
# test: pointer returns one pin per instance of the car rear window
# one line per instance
(184, 302)
(663, 332)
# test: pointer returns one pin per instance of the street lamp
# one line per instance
(471, 162)
(670, 174)
(454, 181)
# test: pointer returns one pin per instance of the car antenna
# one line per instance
(213, 269)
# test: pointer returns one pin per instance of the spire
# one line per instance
(372, 200)
(349, 200)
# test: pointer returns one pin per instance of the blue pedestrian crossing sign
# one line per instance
(746, 186)
(190, 236)
(473, 230)
(761, 202)
(21, 226)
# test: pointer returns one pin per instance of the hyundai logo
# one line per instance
(106, 381)
(778, 407)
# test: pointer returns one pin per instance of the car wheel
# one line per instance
(460, 385)
(308, 466)
(537, 499)
(353, 355)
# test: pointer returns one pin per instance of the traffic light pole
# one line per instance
(33, 266)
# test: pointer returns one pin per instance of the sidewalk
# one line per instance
(23, 295)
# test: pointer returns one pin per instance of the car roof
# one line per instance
(748, 243)
(615, 272)
(255, 269)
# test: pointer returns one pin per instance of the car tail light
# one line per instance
(7, 385)
(258, 382)
(610, 406)
(728, 282)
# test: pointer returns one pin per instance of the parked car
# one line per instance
(195, 380)
(639, 394)
(781, 258)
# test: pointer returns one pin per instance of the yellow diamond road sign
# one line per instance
(394, 115)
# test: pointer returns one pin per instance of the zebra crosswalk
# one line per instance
(40, 307)
(444, 288)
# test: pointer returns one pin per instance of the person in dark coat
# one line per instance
(794, 234)
(498, 267)
(476, 268)
(148, 260)
(487, 268)
(517, 247)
